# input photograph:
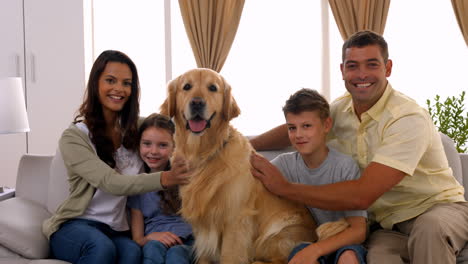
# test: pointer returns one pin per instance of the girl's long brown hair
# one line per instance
(170, 199)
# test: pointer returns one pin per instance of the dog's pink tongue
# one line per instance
(197, 125)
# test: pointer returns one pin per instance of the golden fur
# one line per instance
(234, 218)
(329, 229)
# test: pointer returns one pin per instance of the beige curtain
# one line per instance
(461, 12)
(354, 15)
(211, 26)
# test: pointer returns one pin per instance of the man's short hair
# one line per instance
(366, 38)
(307, 100)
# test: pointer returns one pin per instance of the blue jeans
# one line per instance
(155, 252)
(86, 241)
(332, 258)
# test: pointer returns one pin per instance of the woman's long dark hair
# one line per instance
(170, 199)
(91, 112)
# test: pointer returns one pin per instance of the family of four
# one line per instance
(372, 157)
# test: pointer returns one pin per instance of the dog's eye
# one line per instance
(212, 88)
(187, 86)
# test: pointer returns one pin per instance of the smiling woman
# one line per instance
(99, 152)
(115, 87)
(114, 81)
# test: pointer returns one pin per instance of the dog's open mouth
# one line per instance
(198, 124)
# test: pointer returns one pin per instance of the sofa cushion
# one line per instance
(271, 154)
(34, 261)
(463, 256)
(33, 177)
(47, 261)
(464, 162)
(453, 157)
(15, 261)
(21, 227)
(58, 183)
(5, 253)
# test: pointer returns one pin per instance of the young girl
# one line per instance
(99, 152)
(155, 224)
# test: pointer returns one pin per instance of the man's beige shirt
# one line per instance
(398, 133)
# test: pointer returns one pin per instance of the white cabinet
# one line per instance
(55, 77)
(12, 146)
(12, 44)
(45, 45)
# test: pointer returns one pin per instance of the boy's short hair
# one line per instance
(307, 100)
(365, 38)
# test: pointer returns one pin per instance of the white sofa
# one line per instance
(41, 185)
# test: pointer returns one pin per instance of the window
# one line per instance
(137, 29)
(277, 51)
(426, 46)
(428, 50)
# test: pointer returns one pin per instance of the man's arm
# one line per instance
(347, 195)
(352, 235)
(276, 138)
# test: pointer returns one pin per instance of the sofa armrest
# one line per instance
(21, 228)
(33, 177)
(464, 163)
(271, 154)
(6, 193)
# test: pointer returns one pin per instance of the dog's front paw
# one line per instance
(329, 229)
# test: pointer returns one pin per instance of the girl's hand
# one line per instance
(167, 238)
(178, 175)
(306, 256)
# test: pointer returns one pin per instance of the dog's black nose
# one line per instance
(197, 104)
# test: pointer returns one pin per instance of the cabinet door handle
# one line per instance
(33, 67)
(17, 64)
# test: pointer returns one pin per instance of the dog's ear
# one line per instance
(169, 105)
(230, 107)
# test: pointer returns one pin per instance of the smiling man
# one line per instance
(406, 183)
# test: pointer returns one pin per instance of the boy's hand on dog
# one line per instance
(268, 174)
(178, 175)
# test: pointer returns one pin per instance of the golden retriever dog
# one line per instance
(234, 218)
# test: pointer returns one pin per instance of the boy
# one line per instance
(308, 121)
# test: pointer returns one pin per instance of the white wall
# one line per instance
(54, 74)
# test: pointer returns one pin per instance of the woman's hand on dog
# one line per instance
(268, 174)
(178, 175)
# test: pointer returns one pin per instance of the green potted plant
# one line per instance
(448, 118)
